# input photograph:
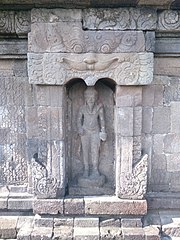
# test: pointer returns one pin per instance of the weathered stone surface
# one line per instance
(124, 121)
(55, 15)
(168, 20)
(131, 222)
(171, 143)
(46, 206)
(137, 123)
(151, 233)
(74, 206)
(13, 47)
(158, 143)
(163, 201)
(152, 95)
(133, 233)
(107, 233)
(167, 45)
(20, 204)
(173, 162)
(8, 227)
(128, 96)
(114, 206)
(150, 41)
(161, 120)
(119, 19)
(147, 119)
(165, 67)
(58, 68)
(63, 221)
(3, 203)
(43, 221)
(110, 222)
(132, 184)
(86, 228)
(172, 91)
(44, 233)
(159, 161)
(175, 115)
(70, 38)
(15, 22)
(63, 232)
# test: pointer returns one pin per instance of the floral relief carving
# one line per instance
(44, 186)
(134, 184)
(169, 20)
(120, 19)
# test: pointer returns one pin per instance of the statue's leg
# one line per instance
(85, 150)
(95, 147)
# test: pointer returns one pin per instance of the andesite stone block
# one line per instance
(48, 206)
(44, 233)
(133, 233)
(114, 206)
(74, 206)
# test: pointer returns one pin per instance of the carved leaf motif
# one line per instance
(134, 184)
(6, 21)
(22, 22)
(44, 186)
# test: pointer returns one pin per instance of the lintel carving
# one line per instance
(58, 68)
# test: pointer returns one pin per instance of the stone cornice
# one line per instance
(29, 4)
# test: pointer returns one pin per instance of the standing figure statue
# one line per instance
(91, 128)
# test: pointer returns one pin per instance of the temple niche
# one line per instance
(91, 163)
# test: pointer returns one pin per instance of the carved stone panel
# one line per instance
(169, 20)
(58, 68)
(91, 152)
(15, 22)
(120, 19)
(13, 162)
(46, 144)
(63, 37)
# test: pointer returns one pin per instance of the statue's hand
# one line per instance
(103, 136)
(81, 131)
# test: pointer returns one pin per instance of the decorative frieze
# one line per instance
(124, 69)
(120, 19)
(63, 37)
(12, 22)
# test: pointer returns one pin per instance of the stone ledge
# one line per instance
(90, 206)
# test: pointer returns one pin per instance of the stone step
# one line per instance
(77, 228)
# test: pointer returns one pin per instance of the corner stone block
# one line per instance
(46, 206)
(127, 96)
(114, 206)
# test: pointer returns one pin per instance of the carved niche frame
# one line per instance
(67, 52)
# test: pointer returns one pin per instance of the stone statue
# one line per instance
(91, 128)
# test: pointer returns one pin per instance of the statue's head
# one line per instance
(90, 95)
